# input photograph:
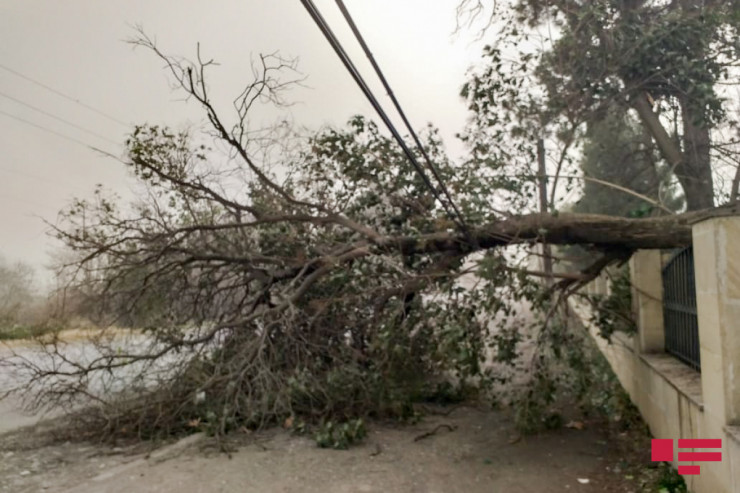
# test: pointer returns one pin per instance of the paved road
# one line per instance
(11, 415)
(81, 351)
(12, 418)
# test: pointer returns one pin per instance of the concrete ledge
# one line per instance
(683, 378)
(627, 341)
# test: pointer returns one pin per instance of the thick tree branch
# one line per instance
(667, 146)
(606, 232)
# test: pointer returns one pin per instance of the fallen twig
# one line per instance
(434, 431)
(446, 412)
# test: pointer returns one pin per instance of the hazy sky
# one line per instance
(78, 47)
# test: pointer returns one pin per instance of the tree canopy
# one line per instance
(16, 292)
(617, 151)
(666, 61)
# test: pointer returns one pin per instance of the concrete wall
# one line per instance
(675, 400)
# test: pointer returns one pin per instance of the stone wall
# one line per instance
(675, 400)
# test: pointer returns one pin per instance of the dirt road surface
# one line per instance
(480, 454)
(471, 451)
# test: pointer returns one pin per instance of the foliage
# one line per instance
(605, 398)
(264, 296)
(617, 151)
(670, 481)
(45, 327)
(568, 371)
(16, 293)
(608, 47)
(21, 332)
(578, 59)
(613, 312)
(341, 436)
(504, 126)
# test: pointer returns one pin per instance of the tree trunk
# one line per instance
(695, 170)
(604, 232)
(542, 171)
(691, 165)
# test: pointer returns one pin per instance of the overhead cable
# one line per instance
(59, 134)
(65, 96)
(58, 118)
(352, 69)
(397, 105)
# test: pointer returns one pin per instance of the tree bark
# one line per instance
(695, 171)
(542, 171)
(692, 165)
(666, 145)
(604, 232)
(735, 191)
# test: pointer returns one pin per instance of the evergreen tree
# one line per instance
(618, 151)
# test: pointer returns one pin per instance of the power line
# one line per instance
(51, 115)
(59, 134)
(386, 85)
(339, 50)
(65, 96)
(38, 177)
(7, 196)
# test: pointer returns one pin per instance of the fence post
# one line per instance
(717, 269)
(647, 300)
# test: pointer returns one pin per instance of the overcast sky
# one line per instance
(77, 47)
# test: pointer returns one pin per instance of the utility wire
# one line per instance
(13, 198)
(39, 177)
(65, 96)
(51, 115)
(386, 85)
(59, 134)
(336, 45)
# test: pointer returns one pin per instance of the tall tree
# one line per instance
(664, 59)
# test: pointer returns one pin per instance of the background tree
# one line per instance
(16, 293)
(617, 151)
(666, 60)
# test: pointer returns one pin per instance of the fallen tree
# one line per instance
(602, 232)
(292, 278)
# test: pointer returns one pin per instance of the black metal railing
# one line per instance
(679, 308)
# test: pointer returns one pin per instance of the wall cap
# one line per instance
(726, 210)
(680, 376)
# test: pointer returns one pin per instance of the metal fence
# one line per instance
(679, 308)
